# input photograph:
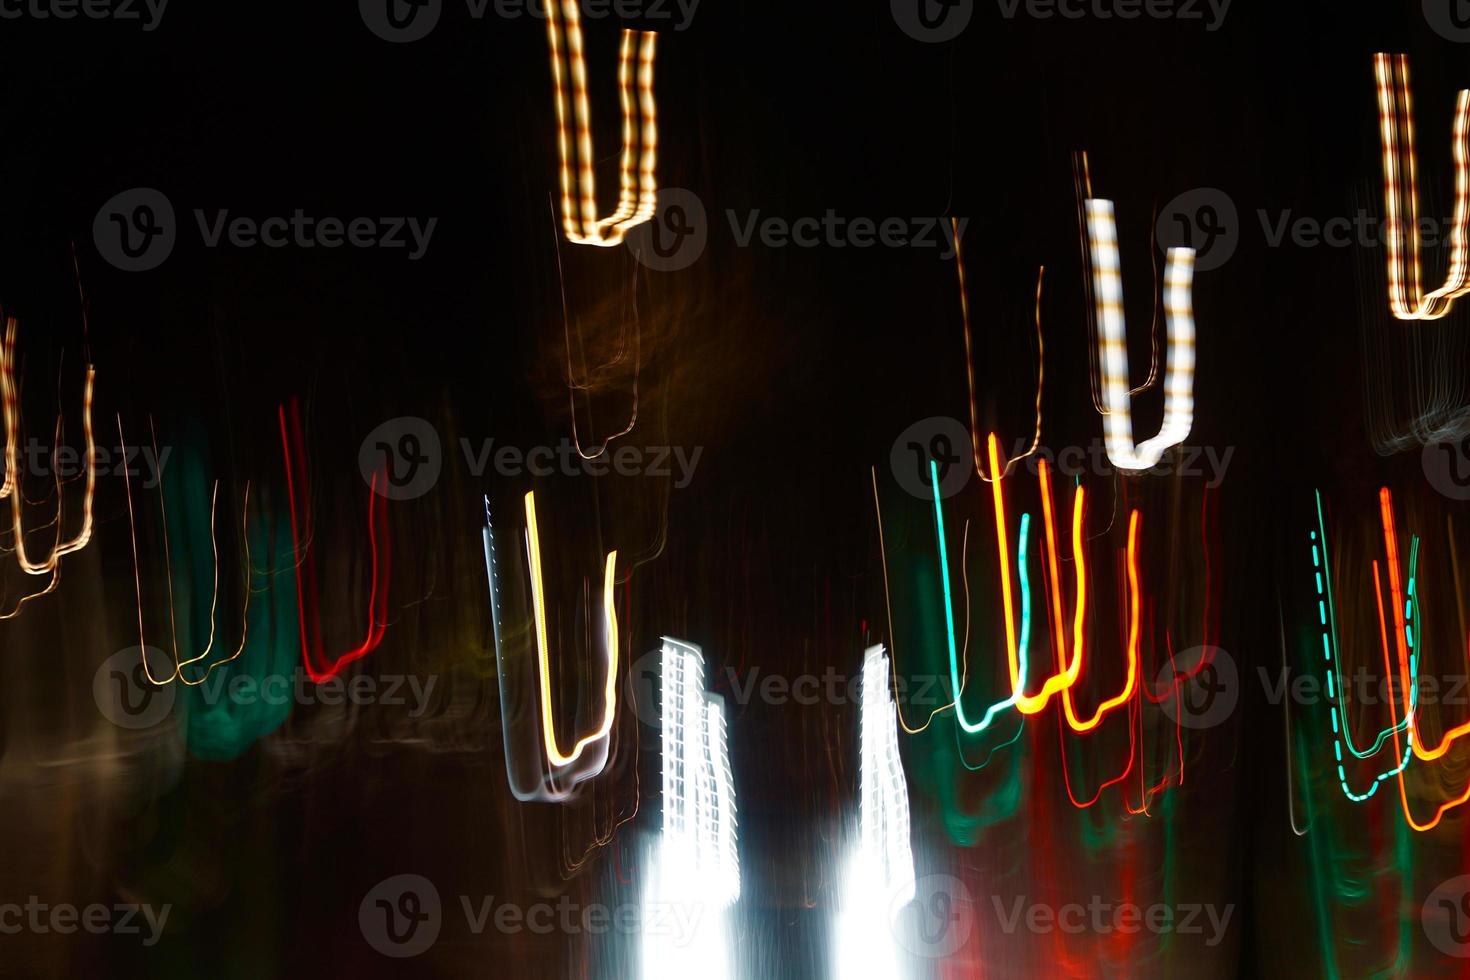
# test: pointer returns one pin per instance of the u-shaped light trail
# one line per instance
(318, 666)
(1112, 339)
(637, 196)
(1406, 297)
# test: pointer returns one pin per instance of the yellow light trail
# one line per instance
(610, 624)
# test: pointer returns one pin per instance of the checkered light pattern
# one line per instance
(698, 789)
(695, 869)
(1406, 298)
(637, 197)
(883, 812)
(1112, 339)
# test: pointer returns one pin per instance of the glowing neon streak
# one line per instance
(1406, 298)
(1080, 725)
(179, 665)
(306, 597)
(1327, 614)
(12, 487)
(610, 632)
(878, 877)
(956, 682)
(696, 860)
(1112, 333)
(1338, 715)
(637, 200)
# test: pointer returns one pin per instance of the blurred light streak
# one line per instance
(610, 633)
(298, 487)
(12, 487)
(1130, 685)
(637, 199)
(956, 681)
(959, 261)
(695, 866)
(1341, 729)
(1406, 298)
(878, 875)
(1107, 282)
(179, 665)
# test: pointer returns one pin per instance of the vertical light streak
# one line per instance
(1340, 728)
(318, 667)
(180, 664)
(610, 632)
(637, 196)
(9, 392)
(1107, 282)
(1406, 298)
(695, 874)
(878, 875)
(1082, 725)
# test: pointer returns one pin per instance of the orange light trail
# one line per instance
(637, 196)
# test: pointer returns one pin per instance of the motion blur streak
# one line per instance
(610, 633)
(1112, 339)
(696, 865)
(1406, 297)
(878, 873)
(12, 487)
(636, 199)
(318, 666)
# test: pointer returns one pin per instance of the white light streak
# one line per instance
(1112, 339)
